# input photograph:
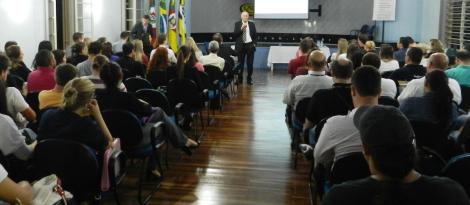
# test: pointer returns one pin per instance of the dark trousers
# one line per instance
(247, 51)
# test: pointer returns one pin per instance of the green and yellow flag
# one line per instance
(172, 21)
(163, 17)
(182, 23)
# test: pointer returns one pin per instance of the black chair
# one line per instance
(465, 105)
(126, 126)
(297, 126)
(158, 78)
(429, 162)
(74, 163)
(217, 77)
(134, 84)
(457, 169)
(156, 98)
(351, 167)
(386, 100)
(433, 136)
(33, 101)
(186, 93)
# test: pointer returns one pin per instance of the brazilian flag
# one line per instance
(182, 23)
(163, 17)
(172, 21)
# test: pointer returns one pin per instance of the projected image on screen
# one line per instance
(278, 9)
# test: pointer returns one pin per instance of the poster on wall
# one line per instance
(384, 10)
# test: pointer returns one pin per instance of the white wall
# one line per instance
(23, 21)
(107, 19)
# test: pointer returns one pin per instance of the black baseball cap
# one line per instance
(383, 126)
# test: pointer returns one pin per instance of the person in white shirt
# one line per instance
(304, 86)
(161, 40)
(212, 59)
(339, 136)
(12, 192)
(389, 87)
(117, 46)
(386, 57)
(12, 141)
(415, 88)
(15, 103)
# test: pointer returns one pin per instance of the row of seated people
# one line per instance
(324, 107)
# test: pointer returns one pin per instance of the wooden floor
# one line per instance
(244, 158)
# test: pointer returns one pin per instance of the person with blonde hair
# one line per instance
(342, 50)
(370, 46)
(139, 54)
(79, 119)
(192, 44)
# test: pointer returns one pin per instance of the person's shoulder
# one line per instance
(349, 192)
(446, 185)
(7, 120)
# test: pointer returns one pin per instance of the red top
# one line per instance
(41, 79)
(296, 63)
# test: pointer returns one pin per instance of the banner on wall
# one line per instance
(384, 10)
(163, 17)
(172, 24)
(182, 23)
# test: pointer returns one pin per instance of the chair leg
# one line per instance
(116, 196)
(143, 200)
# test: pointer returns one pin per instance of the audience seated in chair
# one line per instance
(15, 103)
(77, 37)
(162, 42)
(225, 51)
(11, 139)
(306, 85)
(305, 47)
(157, 68)
(389, 88)
(389, 150)
(461, 73)
(212, 59)
(127, 61)
(402, 45)
(79, 53)
(59, 56)
(436, 105)
(12, 192)
(117, 46)
(412, 69)
(195, 62)
(415, 88)
(18, 68)
(339, 137)
(73, 121)
(355, 54)
(42, 78)
(107, 50)
(84, 68)
(98, 63)
(54, 98)
(112, 98)
(139, 54)
(334, 101)
(386, 58)
(185, 69)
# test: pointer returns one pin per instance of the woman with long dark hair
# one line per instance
(18, 67)
(185, 67)
(436, 106)
(388, 148)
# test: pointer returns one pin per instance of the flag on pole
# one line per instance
(182, 23)
(163, 17)
(172, 21)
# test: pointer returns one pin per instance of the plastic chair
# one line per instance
(134, 84)
(185, 95)
(465, 105)
(156, 98)
(457, 169)
(297, 126)
(126, 126)
(74, 163)
(431, 135)
(386, 100)
(217, 77)
(429, 161)
(158, 78)
(351, 167)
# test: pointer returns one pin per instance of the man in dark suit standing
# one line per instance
(143, 31)
(245, 34)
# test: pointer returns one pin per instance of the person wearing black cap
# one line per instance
(339, 137)
(390, 153)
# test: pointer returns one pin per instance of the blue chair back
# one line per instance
(74, 163)
(458, 169)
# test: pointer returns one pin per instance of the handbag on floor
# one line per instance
(48, 191)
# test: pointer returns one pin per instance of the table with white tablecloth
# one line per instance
(283, 54)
